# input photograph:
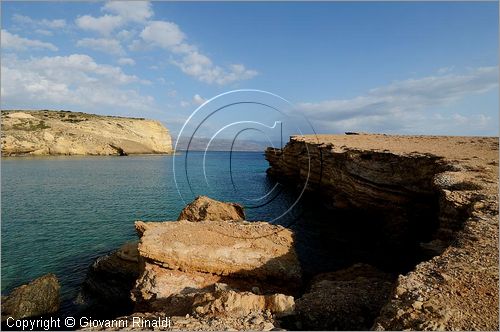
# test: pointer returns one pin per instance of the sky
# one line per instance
(387, 67)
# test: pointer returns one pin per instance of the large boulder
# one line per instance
(182, 259)
(205, 208)
(39, 297)
(348, 299)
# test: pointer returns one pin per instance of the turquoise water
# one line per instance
(60, 213)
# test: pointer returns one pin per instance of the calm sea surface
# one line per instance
(60, 213)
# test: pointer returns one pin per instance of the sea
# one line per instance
(58, 214)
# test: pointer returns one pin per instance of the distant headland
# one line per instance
(45, 132)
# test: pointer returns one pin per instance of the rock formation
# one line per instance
(205, 208)
(39, 297)
(439, 194)
(182, 259)
(106, 288)
(348, 299)
(111, 277)
(71, 133)
(443, 190)
(230, 302)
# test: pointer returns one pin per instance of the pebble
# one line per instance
(417, 305)
(267, 326)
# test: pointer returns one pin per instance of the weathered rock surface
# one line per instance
(183, 259)
(72, 133)
(205, 208)
(39, 297)
(348, 299)
(249, 249)
(110, 279)
(147, 321)
(230, 302)
(402, 175)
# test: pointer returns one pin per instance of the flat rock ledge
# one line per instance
(183, 259)
(252, 249)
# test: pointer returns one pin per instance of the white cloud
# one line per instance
(402, 105)
(47, 24)
(15, 42)
(124, 12)
(162, 34)
(44, 32)
(137, 11)
(169, 36)
(198, 100)
(126, 61)
(103, 24)
(106, 45)
(74, 80)
(185, 104)
(125, 34)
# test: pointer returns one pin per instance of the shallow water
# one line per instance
(60, 213)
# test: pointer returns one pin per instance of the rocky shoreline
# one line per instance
(213, 270)
(446, 186)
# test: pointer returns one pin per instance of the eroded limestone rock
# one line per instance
(205, 208)
(230, 302)
(183, 259)
(244, 249)
(348, 299)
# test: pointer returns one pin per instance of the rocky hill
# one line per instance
(73, 133)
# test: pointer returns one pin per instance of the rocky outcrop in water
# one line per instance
(182, 259)
(106, 288)
(75, 133)
(438, 194)
(441, 191)
(39, 297)
(111, 277)
(205, 208)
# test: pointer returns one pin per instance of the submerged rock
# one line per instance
(39, 297)
(205, 208)
(348, 299)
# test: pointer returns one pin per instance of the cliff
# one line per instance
(71, 133)
(439, 192)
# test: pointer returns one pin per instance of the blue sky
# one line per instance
(409, 68)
